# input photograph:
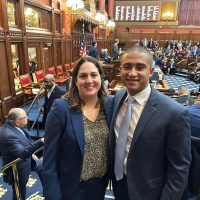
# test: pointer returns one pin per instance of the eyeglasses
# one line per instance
(26, 117)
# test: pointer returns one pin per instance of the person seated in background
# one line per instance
(184, 97)
(194, 113)
(15, 143)
(172, 67)
(105, 56)
(52, 92)
(164, 65)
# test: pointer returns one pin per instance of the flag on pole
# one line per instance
(83, 44)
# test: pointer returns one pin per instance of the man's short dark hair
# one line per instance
(93, 43)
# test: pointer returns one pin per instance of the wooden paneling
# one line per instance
(1, 114)
(161, 35)
(4, 75)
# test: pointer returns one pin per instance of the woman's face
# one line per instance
(88, 80)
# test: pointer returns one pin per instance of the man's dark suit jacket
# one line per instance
(93, 51)
(194, 113)
(64, 149)
(159, 156)
(194, 175)
(56, 93)
(13, 145)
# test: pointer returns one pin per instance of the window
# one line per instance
(37, 18)
(57, 23)
(11, 11)
(32, 18)
(32, 57)
(16, 64)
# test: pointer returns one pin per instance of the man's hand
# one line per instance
(34, 157)
(41, 110)
(42, 140)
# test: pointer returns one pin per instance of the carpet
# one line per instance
(175, 82)
(34, 189)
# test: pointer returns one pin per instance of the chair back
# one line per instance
(73, 64)
(67, 67)
(39, 75)
(59, 70)
(51, 70)
(25, 80)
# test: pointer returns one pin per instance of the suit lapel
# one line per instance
(119, 98)
(117, 104)
(77, 123)
(146, 115)
(20, 134)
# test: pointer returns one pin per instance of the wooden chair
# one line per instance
(67, 71)
(59, 80)
(29, 88)
(73, 64)
(60, 72)
(183, 64)
(67, 67)
(40, 76)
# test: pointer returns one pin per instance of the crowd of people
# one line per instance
(139, 139)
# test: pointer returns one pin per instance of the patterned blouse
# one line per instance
(96, 148)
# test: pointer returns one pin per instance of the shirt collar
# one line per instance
(142, 96)
(50, 91)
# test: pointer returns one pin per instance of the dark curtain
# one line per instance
(189, 12)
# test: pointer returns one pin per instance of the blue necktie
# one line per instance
(122, 141)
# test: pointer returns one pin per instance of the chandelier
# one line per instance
(101, 17)
(111, 24)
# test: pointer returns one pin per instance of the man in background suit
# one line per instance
(157, 154)
(53, 92)
(115, 50)
(184, 97)
(194, 113)
(93, 50)
(15, 143)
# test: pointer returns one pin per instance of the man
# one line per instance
(156, 150)
(115, 50)
(53, 92)
(184, 98)
(194, 113)
(15, 143)
(93, 51)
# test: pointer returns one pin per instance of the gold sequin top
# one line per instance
(96, 148)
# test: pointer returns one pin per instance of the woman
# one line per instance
(76, 141)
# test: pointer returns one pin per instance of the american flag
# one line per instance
(83, 44)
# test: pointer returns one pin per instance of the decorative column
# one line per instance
(110, 8)
(101, 5)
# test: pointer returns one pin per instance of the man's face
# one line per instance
(136, 71)
(23, 120)
(48, 84)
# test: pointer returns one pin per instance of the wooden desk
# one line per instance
(161, 86)
(117, 64)
(116, 88)
(108, 71)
